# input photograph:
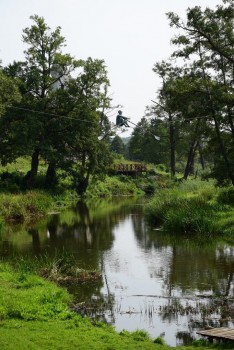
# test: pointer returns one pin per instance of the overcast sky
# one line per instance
(129, 35)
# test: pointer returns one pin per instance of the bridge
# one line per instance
(130, 169)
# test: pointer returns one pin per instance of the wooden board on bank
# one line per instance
(218, 333)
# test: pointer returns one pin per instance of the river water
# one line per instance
(171, 286)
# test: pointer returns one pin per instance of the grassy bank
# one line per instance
(31, 205)
(193, 207)
(35, 314)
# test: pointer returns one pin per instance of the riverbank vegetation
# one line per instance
(35, 314)
(194, 207)
(24, 206)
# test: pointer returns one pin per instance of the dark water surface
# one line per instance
(168, 285)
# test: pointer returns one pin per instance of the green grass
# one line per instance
(70, 334)
(193, 207)
(35, 315)
(28, 206)
(22, 207)
(25, 296)
(113, 186)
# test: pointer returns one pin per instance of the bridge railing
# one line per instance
(130, 168)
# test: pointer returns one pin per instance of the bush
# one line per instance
(226, 196)
(160, 341)
(10, 182)
(112, 186)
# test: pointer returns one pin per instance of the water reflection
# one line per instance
(166, 284)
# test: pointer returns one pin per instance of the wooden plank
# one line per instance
(222, 333)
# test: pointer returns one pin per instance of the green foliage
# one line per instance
(195, 98)
(117, 145)
(9, 92)
(226, 195)
(159, 340)
(23, 207)
(138, 335)
(147, 184)
(144, 147)
(191, 207)
(113, 186)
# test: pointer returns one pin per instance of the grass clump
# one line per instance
(192, 207)
(61, 269)
(113, 186)
(23, 207)
(64, 271)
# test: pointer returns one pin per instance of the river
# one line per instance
(168, 285)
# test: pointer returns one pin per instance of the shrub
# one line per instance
(226, 195)
(112, 186)
(160, 341)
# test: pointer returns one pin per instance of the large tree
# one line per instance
(61, 114)
(197, 98)
(44, 69)
(9, 92)
(207, 38)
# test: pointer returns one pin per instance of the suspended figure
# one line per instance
(121, 120)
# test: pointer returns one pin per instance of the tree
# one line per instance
(9, 92)
(82, 105)
(117, 145)
(208, 39)
(189, 105)
(44, 68)
(144, 147)
(163, 109)
(60, 115)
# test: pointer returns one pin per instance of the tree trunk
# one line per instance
(201, 155)
(82, 186)
(50, 180)
(190, 160)
(32, 173)
(172, 146)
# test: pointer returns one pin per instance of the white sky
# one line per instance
(130, 35)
